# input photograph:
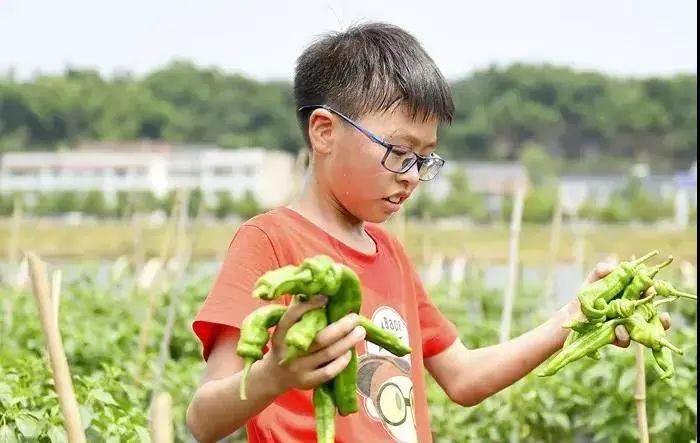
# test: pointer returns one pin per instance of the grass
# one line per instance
(485, 243)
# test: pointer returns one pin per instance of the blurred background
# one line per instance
(136, 136)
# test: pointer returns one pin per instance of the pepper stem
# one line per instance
(670, 346)
(655, 269)
(664, 300)
(644, 258)
(244, 377)
(676, 293)
(646, 299)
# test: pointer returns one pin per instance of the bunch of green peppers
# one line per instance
(620, 298)
(315, 275)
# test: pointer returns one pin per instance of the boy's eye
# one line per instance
(400, 150)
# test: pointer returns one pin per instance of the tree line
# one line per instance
(573, 114)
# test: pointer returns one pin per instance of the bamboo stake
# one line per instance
(176, 293)
(138, 243)
(511, 287)
(640, 395)
(15, 227)
(56, 278)
(145, 285)
(170, 228)
(57, 357)
(161, 422)
(7, 309)
(554, 240)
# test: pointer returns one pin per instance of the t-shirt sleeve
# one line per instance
(250, 254)
(437, 331)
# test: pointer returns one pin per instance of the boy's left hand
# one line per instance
(622, 337)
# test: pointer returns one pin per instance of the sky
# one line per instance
(262, 39)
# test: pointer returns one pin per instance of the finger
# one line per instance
(622, 337)
(650, 291)
(294, 312)
(335, 350)
(329, 371)
(601, 270)
(334, 332)
(665, 318)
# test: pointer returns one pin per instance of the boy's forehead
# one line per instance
(400, 122)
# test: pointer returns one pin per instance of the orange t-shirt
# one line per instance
(391, 390)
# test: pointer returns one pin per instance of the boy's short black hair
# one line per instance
(369, 68)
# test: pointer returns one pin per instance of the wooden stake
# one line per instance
(56, 292)
(640, 395)
(145, 286)
(15, 227)
(512, 284)
(170, 228)
(554, 239)
(137, 241)
(183, 257)
(161, 422)
(57, 357)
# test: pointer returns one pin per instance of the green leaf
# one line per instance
(28, 426)
(626, 381)
(691, 403)
(143, 434)
(7, 435)
(104, 397)
(57, 435)
(86, 416)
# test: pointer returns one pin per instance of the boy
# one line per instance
(370, 101)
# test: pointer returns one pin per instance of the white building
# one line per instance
(155, 167)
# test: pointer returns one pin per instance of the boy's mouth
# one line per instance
(397, 198)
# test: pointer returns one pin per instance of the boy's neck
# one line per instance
(323, 211)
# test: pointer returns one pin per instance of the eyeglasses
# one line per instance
(397, 159)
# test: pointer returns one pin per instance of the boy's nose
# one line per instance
(411, 176)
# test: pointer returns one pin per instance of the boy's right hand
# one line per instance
(328, 355)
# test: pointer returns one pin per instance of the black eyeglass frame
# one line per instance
(417, 158)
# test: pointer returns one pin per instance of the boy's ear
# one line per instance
(322, 131)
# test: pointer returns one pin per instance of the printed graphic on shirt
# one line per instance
(384, 382)
(390, 320)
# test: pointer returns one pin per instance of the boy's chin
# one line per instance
(377, 217)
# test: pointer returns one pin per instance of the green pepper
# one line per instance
(572, 337)
(347, 300)
(254, 336)
(302, 333)
(621, 308)
(608, 287)
(665, 289)
(590, 342)
(642, 332)
(284, 280)
(581, 323)
(643, 280)
(663, 357)
(383, 338)
(324, 413)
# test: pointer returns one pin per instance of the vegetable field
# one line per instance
(114, 366)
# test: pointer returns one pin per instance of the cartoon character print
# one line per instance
(383, 381)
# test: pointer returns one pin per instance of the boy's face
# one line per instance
(350, 162)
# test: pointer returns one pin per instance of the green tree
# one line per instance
(94, 204)
(541, 167)
(225, 205)
(248, 206)
(195, 203)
